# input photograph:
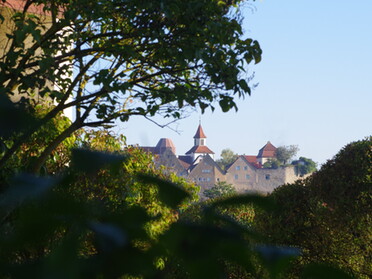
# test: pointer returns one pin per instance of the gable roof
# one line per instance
(200, 149)
(268, 150)
(200, 133)
(252, 160)
(248, 160)
(184, 164)
(208, 160)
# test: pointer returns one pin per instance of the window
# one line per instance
(247, 176)
(217, 179)
(206, 171)
(201, 142)
(208, 179)
(236, 176)
(267, 176)
(204, 179)
(237, 167)
(245, 167)
(200, 179)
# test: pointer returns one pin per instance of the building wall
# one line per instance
(247, 178)
(242, 175)
(171, 162)
(204, 174)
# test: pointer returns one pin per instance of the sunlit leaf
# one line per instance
(169, 193)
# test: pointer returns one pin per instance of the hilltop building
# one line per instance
(246, 173)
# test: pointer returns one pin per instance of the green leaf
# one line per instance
(91, 161)
(169, 193)
(321, 271)
(260, 201)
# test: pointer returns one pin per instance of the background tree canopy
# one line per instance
(304, 166)
(285, 153)
(115, 59)
(220, 189)
(227, 157)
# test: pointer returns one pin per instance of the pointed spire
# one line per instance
(200, 133)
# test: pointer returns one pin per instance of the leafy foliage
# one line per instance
(272, 164)
(117, 59)
(220, 189)
(227, 157)
(111, 214)
(304, 166)
(50, 229)
(328, 214)
(285, 153)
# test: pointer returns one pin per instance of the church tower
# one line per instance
(200, 148)
(200, 138)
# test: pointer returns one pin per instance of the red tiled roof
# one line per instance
(268, 150)
(251, 158)
(200, 133)
(200, 149)
(163, 144)
(253, 161)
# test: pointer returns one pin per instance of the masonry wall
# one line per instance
(204, 175)
(247, 178)
(242, 175)
(170, 161)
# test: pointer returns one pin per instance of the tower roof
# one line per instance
(200, 133)
(200, 149)
(163, 144)
(268, 150)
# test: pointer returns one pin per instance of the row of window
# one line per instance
(204, 179)
(238, 168)
(236, 177)
(247, 176)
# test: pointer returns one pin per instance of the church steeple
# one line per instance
(200, 137)
(200, 148)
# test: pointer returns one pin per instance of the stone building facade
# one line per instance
(246, 173)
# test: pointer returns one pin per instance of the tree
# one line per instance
(115, 59)
(272, 164)
(328, 214)
(220, 189)
(285, 153)
(304, 166)
(227, 157)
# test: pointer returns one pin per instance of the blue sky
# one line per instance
(314, 84)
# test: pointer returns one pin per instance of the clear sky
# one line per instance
(314, 84)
